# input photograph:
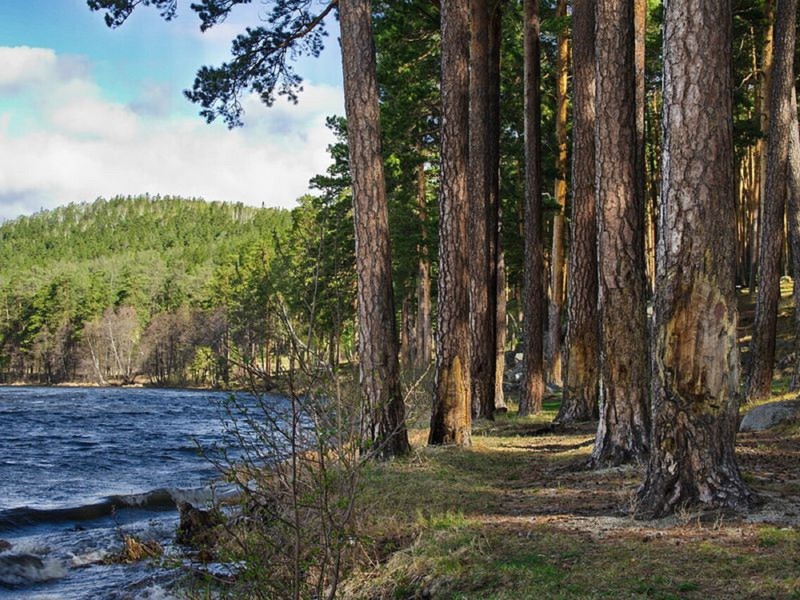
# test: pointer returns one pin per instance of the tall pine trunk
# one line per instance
(424, 333)
(696, 357)
(482, 268)
(623, 432)
(581, 378)
(532, 390)
(793, 215)
(762, 346)
(378, 343)
(498, 282)
(556, 306)
(451, 421)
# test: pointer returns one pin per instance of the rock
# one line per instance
(4, 545)
(769, 415)
(197, 528)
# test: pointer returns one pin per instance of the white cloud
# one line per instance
(85, 145)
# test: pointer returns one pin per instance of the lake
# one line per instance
(79, 466)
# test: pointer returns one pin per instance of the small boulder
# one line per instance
(769, 415)
(197, 528)
(4, 545)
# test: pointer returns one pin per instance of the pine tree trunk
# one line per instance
(451, 421)
(424, 334)
(378, 343)
(482, 269)
(556, 306)
(624, 429)
(793, 215)
(762, 346)
(498, 281)
(582, 368)
(532, 389)
(639, 33)
(696, 357)
(763, 102)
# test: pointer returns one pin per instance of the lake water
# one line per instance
(78, 466)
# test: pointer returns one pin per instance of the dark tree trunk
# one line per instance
(532, 390)
(424, 334)
(556, 306)
(762, 346)
(451, 422)
(378, 343)
(498, 281)
(624, 429)
(793, 215)
(482, 268)
(696, 357)
(583, 361)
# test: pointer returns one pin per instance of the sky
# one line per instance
(86, 111)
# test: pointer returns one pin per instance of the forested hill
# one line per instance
(146, 288)
(191, 230)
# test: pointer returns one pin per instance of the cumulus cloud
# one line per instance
(84, 145)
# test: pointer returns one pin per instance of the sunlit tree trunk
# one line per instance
(581, 375)
(696, 356)
(623, 431)
(762, 346)
(556, 306)
(532, 389)
(451, 421)
(378, 342)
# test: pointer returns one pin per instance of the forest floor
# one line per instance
(516, 516)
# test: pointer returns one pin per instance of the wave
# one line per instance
(162, 499)
(25, 569)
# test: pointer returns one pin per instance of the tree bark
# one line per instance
(696, 357)
(378, 343)
(793, 215)
(639, 38)
(556, 306)
(763, 103)
(451, 421)
(581, 376)
(762, 346)
(424, 333)
(498, 281)
(482, 269)
(532, 389)
(623, 432)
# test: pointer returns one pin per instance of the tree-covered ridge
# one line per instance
(191, 230)
(161, 287)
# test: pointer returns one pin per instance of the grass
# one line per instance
(515, 517)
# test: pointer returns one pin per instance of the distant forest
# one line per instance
(167, 290)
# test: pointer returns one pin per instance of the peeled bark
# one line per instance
(696, 357)
(581, 378)
(624, 428)
(532, 390)
(556, 306)
(378, 343)
(451, 421)
(762, 346)
(482, 268)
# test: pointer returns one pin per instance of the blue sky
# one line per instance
(86, 111)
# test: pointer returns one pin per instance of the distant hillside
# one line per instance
(189, 230)
(158, 287)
